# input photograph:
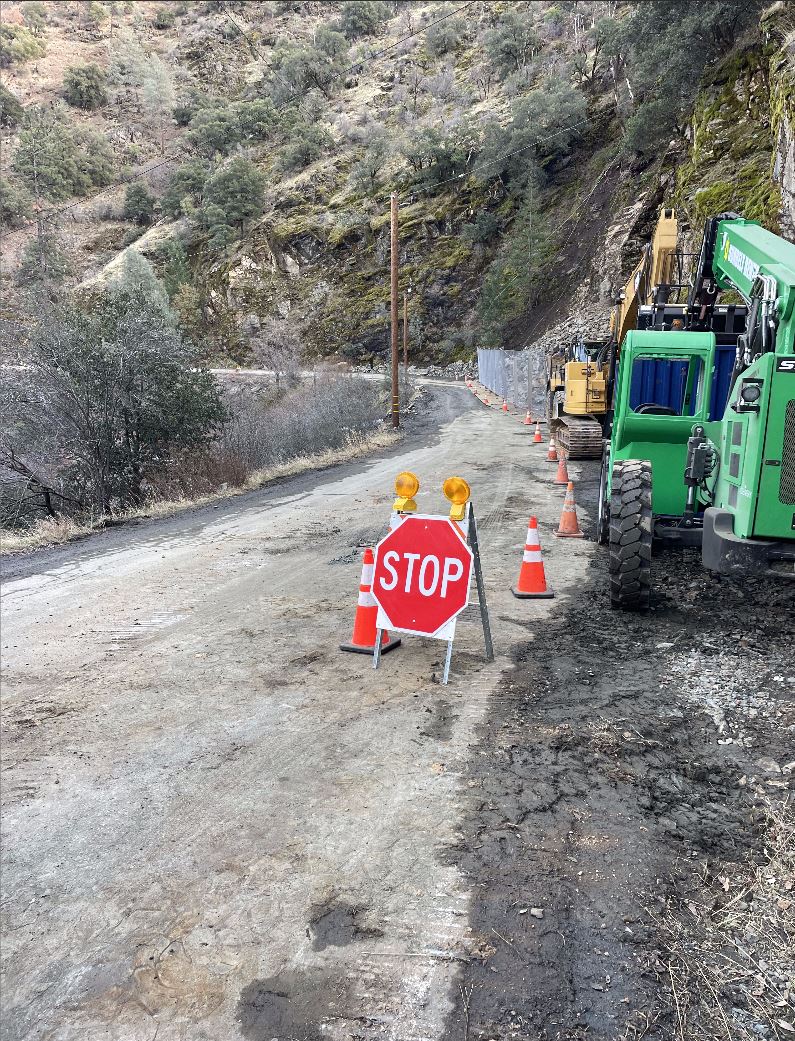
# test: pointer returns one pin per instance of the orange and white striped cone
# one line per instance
(569, 527)
(505, 406)
(562, 476)
(527, 421)
(552, 454)
(364, 627)
(486, 401)
(532, 584)
(537, 438)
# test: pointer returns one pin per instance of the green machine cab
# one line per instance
(688, 461)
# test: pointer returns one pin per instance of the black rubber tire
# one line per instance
(630, 535)
(603, 503)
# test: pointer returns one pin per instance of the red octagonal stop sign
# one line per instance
(422, 574)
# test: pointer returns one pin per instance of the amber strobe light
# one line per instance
(457, 492)
(406, 487)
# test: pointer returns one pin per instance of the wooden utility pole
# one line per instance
(394, 289)
(405, 334)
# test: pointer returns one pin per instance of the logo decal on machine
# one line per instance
(738, 259)
(785, 365)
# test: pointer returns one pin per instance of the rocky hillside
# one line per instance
(249, 150)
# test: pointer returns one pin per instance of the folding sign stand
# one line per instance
(468, 526)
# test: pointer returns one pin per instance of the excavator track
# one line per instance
(579, 437)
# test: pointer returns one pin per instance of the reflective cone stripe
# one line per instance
(569, 527)
(552, 455)
(562, 476)
(366, 598)
(532, 582)
(537, 438)
(364, 623)
(527, 420)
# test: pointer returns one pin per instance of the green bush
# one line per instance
(139, 204)
(436, 156)
(84, 86)
(11, 112)
(18, 45)
(35, 14)
(256, 119)
(515, 279)
(362, 17)
(111, 394)
(300, 68)
(95, 13)
(444, 36)
(44, 262)
(512, 42)
(330, 42)
(185, 189)
(164, 19)
(234, 195)
(484, 227)
(221, 128)
(544, 124)
(14, 204)
(214, 130)
(307, 143)
(57, 159)
(175, 267)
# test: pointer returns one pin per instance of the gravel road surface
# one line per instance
(219, 827)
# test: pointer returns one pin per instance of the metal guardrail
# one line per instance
(517, 376)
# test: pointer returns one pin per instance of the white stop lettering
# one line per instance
(425, 589)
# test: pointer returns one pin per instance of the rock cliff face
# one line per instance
(779, 28)
(737, 154)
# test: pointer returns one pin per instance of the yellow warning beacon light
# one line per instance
(457, 492)
(406, 487)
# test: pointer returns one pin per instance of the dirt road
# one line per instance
(217, 826)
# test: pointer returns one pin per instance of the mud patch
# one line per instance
(337, 924)
(292, 1005)
(439, 725)
(600, 787)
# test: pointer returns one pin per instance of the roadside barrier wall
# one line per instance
(517, 376)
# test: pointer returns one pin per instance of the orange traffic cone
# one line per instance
(552, 455)
(532, 584)
(527, 421)
(364, 627)
(537, 438)
(562, 476)
(569, 527)
(486, 401)
(505, 406)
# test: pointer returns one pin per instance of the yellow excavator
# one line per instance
(580, 379)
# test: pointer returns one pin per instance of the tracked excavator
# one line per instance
(580, 380)
(702, 445)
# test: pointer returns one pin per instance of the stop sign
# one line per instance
(422, 574)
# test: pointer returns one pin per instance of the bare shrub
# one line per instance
(261, 434)
(277, 344)
(312, 419)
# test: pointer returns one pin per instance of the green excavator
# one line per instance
(702, 444)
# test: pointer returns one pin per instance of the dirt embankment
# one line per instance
(618, 829)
